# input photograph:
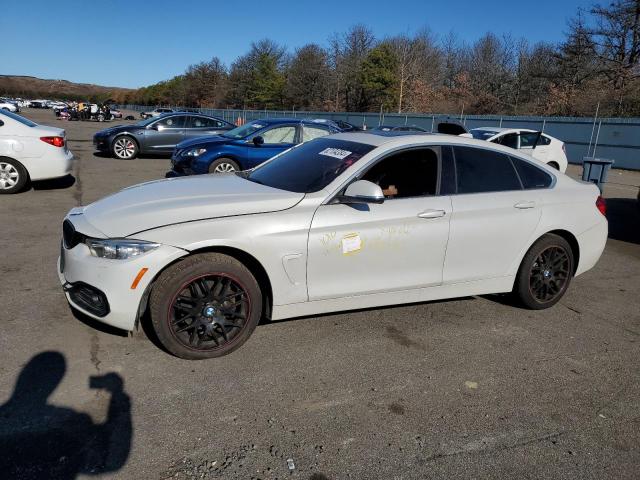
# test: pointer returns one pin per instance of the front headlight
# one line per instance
(195, 152)
(119, 249)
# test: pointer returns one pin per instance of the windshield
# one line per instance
(481, 134)
(18, 118)
(245, 130)
(311, 166)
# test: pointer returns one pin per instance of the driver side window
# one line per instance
(275, 135)
(409, 173)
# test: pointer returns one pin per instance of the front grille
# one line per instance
(70, 237)
(89, 298)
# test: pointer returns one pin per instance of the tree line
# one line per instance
(597, 62)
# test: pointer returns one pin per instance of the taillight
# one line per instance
(601, 205)
(55, 141)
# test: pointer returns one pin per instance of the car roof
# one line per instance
(276, 121)
(503, 129)
(377, 139)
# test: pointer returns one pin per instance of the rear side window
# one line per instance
(530, 175)
(204, 122)
(508, 140)
(309, 133)
(479, 170)
(528, 139)
(543, 140)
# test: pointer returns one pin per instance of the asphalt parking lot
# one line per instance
(469, 388)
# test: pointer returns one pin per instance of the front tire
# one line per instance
(124, 148)
(545, 273)
(13, 176)
(205, 306)
(224, 165)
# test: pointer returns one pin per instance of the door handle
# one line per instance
(523, 205)
(432, 213)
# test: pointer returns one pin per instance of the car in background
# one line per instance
(29, 151)
(319, 229)
(38, 104)
(157, 135)
(115, 113)
(540, 146)
(10, 106)
(399, 128)
(338, 124)
(244, 147)
(157, 112)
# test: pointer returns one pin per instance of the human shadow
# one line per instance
(40, 440)
(623, 215)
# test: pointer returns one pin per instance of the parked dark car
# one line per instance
(157, 135)
(399, 128)
(339, 124)
(244, 147)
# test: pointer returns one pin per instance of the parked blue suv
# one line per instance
(243, 147)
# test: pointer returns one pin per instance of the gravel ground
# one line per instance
(469, 388)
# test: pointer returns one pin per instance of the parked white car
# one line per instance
(539, 145)
(346, 221)
(29, 151)
(156, 113)
(9, 106)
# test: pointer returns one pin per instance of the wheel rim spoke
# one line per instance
(549, 274)
(209, 312)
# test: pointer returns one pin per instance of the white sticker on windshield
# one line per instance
(335, 153)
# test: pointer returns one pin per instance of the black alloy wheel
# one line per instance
(549, 274)
(209, 311)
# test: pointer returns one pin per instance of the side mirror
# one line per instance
(258, 140)
(362, 191)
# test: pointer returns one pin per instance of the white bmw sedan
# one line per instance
(29, 151)
(348, 221)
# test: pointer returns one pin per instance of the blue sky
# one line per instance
(135, 43)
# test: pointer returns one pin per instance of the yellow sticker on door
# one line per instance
(351, 243)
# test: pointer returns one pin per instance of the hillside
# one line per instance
(32, 87)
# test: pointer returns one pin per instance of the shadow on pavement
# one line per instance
(623, 215)
(55, 183)
(40, 440)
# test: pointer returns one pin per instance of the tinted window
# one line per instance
(275, 135)
(204, 122)
(411, 173)
(479, 170)
(176, 121)
(528, 139)
(310, 166)
(544, 140)
(508, 140)
(309, 133)
(530, 175)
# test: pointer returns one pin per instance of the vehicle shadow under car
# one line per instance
(55, 183)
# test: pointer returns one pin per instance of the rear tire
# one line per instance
(13, 176)
(545, 273)
(205, 306)
(124, 148)
(224, 165)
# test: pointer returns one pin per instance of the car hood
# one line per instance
(178, 200)
(210, 141)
